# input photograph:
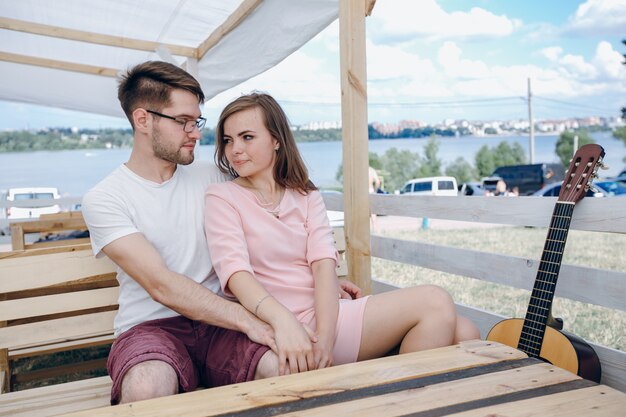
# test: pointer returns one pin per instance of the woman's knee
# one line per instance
(150, 379)
(437, 299)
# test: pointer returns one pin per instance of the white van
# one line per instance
(430, 186)
(31, 209)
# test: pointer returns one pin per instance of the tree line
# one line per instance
(399, 166)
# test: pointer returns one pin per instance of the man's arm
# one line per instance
(135, 255)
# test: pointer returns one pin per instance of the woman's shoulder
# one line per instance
(221, 189)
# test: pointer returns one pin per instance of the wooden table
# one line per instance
(476, 378)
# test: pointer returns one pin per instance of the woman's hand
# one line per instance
(349, 290)
(323, 352)
(295, 346)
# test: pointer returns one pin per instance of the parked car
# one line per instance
(32, 209)
(612, 187)
(530, 178)
(445, 186)
(471, 188)
(604, 188)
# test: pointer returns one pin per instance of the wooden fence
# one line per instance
(590, 285)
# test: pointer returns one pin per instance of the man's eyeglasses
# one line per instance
(188, 125)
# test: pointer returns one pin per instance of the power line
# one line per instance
(571, 104)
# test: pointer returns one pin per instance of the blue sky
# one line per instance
(430, 60)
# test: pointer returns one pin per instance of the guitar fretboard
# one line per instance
(541, 298)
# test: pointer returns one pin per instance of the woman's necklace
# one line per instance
(265, 203)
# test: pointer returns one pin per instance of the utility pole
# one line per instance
(531, 138)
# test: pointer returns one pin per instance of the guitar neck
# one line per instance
(542, 295)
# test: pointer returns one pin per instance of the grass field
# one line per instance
(598, 250)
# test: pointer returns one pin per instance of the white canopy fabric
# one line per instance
(42, 69)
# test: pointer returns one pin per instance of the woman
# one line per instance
(273, 250)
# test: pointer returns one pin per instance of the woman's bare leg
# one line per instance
(417, 318)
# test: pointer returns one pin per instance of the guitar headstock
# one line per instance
(582, 170)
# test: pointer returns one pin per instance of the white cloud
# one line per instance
(552, 52)
(599, 17)
(409, 18)
(609, 62)
(386, 62)
(449, 56)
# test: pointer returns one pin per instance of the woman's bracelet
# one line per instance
(256, 309)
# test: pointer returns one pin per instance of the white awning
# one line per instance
(66, 53)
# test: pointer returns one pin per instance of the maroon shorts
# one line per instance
(199, 353)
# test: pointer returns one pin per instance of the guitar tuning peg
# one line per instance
(602, 166)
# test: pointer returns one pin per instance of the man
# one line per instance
(173, 331)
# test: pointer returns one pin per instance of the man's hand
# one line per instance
(260, 332)
(349, 290)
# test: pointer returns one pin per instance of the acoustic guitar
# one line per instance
(539, 334)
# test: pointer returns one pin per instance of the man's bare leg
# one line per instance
(267, 366)
(150, 379)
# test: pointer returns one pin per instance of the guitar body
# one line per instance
(558, 348)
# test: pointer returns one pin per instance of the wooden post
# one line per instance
(17, 236)
(355, 151)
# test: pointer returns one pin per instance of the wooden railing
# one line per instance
(590, 285)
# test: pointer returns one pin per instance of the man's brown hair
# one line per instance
(148, 85)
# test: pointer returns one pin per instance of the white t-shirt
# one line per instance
(170, 216)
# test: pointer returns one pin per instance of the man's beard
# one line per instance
(164, 151)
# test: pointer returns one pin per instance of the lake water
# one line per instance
(74, 172)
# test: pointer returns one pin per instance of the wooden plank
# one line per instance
(58, 330)
(55, 371)
(446, 394)
(589, 285)
(354, 137)
(56, 399)
(61, 347)
(50, 269)
(58, 303)
(56, 243)
(62, 215)
(234, 20)
(44, 251)
(592, 214)
(593, 401)
(52, 225)
(91, 37)
(341, 378)
(56, 64)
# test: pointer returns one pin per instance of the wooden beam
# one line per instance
(369, 7)
(238, 16)
(355, 151)
(61, 65)
(90, 37)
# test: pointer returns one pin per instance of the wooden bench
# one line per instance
(46, 225)
(64, 299)
(55, 301)
(474, 378)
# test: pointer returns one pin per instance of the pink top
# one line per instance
(278, 252)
